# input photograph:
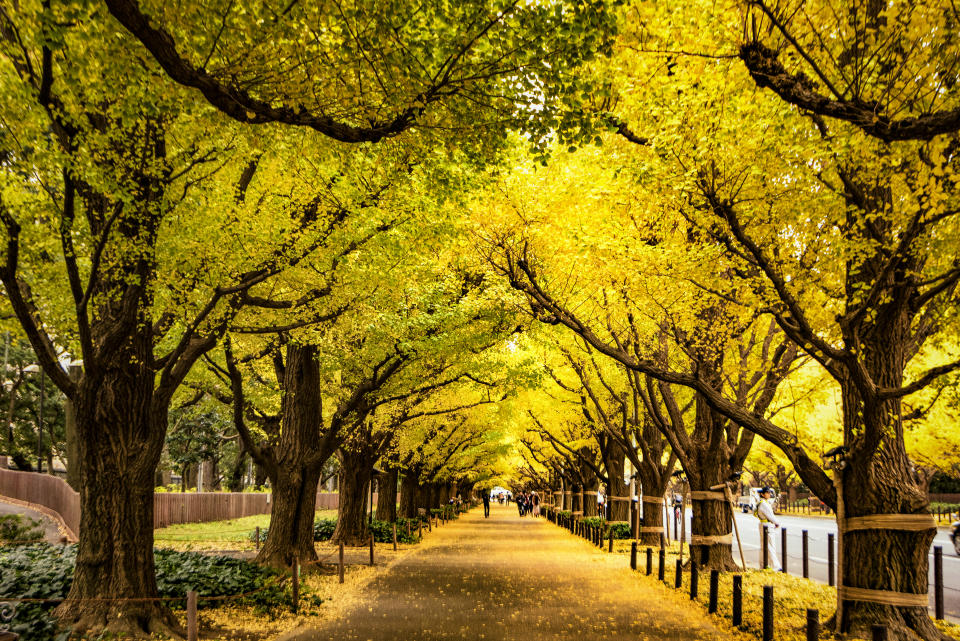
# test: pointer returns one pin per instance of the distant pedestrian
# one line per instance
(486, 504)
(535, 500)
(764, 512)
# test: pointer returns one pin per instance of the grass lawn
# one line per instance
(233, 534)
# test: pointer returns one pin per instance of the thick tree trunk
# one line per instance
(235, 478)
(708, 465)
(356, 469)
(409, 496)
(295, 466)
(618, 490)
(590, 489)
(387, 497)
(653, 487)
(576, 500)
(883, 481)
(292, 511)
(119, 446)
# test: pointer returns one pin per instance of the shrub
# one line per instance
(43, 571)
(382, 531)
(620, 530)
(15, 528)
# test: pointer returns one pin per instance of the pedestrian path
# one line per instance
(517, 579)
(51, 533)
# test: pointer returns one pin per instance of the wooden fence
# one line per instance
(46, 494)
(54, 497)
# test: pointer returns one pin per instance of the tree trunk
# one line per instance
(387, 499)
(235, 478)
(590, 489)
(356, 470)
(653, 487)
(576, 500)
(617, 490)
(709, 466)
(119, 446)
(296, 464)
(883, 481)
(409, 496)
(292, 511)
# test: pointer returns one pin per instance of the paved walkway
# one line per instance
(507, 578)
(50, 530)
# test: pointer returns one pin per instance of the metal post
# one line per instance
(633, 555)
(371, 548)
(340, 567)
(394, 536)
(806, 555)
(938, 581)
(767, 613)
(678, 580)
(714, 590)
(256, 534)
(737, 600)
(610, 546)
(831, 580)
(649, 561)
(661, 569)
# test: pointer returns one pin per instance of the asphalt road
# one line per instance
(817, 529)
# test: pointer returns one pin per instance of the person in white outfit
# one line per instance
(767, 517)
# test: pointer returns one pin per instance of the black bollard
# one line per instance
(813, 624)
(831, 571)
(694, 580)
(806, 555)
(783, 549)
(765, 548)
(678, 579)
(938, 581)
(662, 562)
(633, 555)
(767, 613)
(649, 561)
(714, 590)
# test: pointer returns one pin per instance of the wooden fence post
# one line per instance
(678, 579)
(661, 563)
(192, 628)
(340, 568)
(765, 547)
(737, 600)
(295, 596)
(394, 536)
(633, 555)
(371, 549)
(649, 561)
(257, 534)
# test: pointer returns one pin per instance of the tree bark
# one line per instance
(120, 442)
(409, 496)
(613, 463)
(387, 497)
(296, 462)
(356, 471)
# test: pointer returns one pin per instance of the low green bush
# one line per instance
(382, 531)
(620, 530)
(42, 571)
(15, 528)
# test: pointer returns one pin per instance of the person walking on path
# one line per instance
(535, 499)
(486, 504)
(765, 514)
